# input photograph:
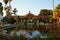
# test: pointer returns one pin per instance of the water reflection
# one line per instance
(36, 33)
(29, 34)
(28, 31)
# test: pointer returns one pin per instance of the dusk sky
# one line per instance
(24, 6)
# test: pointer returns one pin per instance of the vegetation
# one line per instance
(8, 20)
(37, 38)
(46, 22)
(22, 37)
(6, 1)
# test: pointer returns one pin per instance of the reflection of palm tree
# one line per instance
(22, 37)
(37, 38)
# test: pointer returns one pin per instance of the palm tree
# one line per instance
(7, 8)
(15, 10)
(5, 1)
(16, 17)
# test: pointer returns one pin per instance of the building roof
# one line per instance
(29, 15)
(21, 16)
(32, 16)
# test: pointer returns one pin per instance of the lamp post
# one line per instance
(54, 15)
(53, 3)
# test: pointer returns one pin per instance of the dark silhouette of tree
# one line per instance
(57, 10)
(45, 14)
(1, 9)
(6, 1)
(8, 20)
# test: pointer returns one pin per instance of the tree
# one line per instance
(15, 10)
(45, 17)
(12, 20)
(37, 38)
(58, 7)
(7, 8)
(8, 20)
(1, 9)
(45, 14)
(22, 37)
(57, 16)
(57, 10)
(6, 1)
(5, 19)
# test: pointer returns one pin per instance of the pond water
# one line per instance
(28, 34)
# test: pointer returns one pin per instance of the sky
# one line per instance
(24, 6)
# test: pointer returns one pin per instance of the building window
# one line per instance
(29, 21)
